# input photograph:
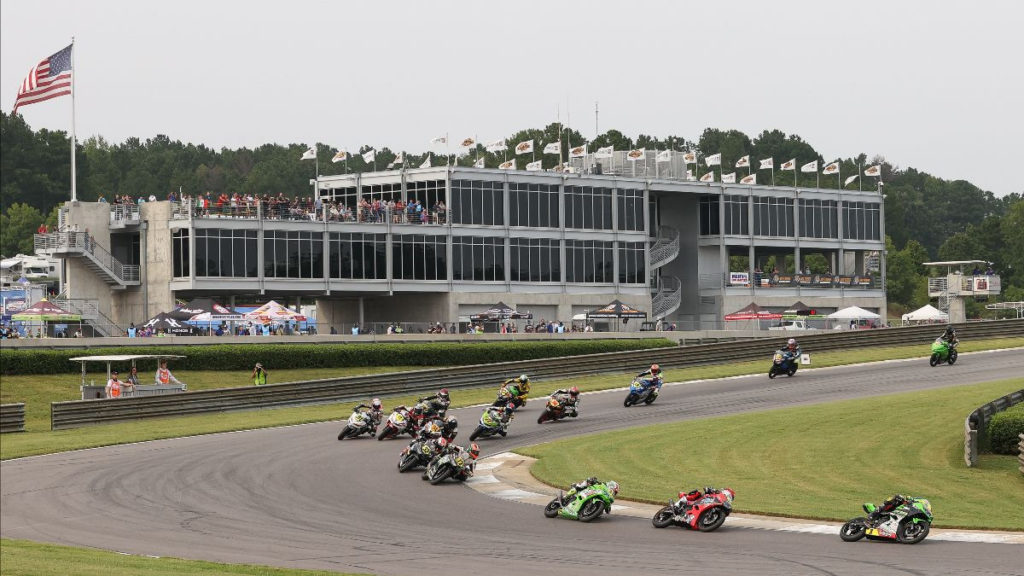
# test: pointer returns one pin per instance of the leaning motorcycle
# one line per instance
(358, 423)
(556, 410)
(448, 465)
(641, 391)
(419, 452)
(584, 505)
(511, 394)
(488, 427)
(942, 351)
(706, 512)
(907, 524)
(398, 423)
(782, 363)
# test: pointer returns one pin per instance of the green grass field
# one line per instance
(24, 558)
(39, 439)
(818, 461)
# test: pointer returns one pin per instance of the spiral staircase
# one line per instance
(667, 295)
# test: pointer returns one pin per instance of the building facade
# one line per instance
(440, 244)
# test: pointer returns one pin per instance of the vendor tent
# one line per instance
(853, 313)
(753, 312)
(169, 325)
(798, 309)
(274, 312)
(926, 313)
(45, 311)
(204, 310)
(616, 309)
(499, 312)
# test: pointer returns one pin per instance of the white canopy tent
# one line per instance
(853, 313)
(925, 314)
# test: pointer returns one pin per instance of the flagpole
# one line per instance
(839, 172)
(817, 177)
(860, 176)
(773, 172)
(74, 81)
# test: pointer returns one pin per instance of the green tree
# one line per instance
(17, 225)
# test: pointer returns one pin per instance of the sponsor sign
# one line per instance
(739, 278)
(804, 279)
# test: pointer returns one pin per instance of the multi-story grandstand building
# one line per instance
(439, 244)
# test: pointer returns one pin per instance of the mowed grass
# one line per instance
(21, 557)
(39, 439)
(818, 461)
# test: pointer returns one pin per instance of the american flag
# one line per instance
(48, 79)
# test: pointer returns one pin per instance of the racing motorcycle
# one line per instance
(639, 391)
(358, 423)
(449, 464)
(489, 427)
(514, 395)
(419, 452)
(909, 523)
(556, 410)
(584, 505)
(942, 351)
(400, 422)
(782, 363)
(699, 511)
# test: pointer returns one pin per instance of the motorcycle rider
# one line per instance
(498, 417)
(655, 376)
(567, 398)
(949, 336)
(889, 505)
(792, 349)
(435, 405)
(411, 417)
(468, 456)
(580, 486)
(516, 389)
(450, 428)
(374, 410)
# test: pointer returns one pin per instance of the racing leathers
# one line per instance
(889, 505)
(497, 417)
(566, 400)
(373, 413)
(650, 378)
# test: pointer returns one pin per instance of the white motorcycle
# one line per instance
(358, 423)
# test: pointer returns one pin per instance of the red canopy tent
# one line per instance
(753, 312)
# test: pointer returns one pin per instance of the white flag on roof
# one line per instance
(468, 142)
(340, 156)
(767, 163)
(369, 156)
(810, 167)
(309, 154)
(534, 166)
(439, 140)
(509, 165)
(606, 152)
(875, 170)
(690, 157)
(553, 148)
(743, 162)
(709, 177)
(635, 155)
(789, 165)
(850, 179)
(663, 156)
(729, 178)
(426, 162)
(578, 151)
(479, 163)
(497, 146)
(832, 168)
(714, 160)
(749, 179)
(524, 147)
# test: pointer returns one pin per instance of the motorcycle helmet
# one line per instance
(950, 331)
(510, 407)
(729, 493)
(614, 487)
(655, 369)
(443, 394)
(442, 443)
(524, 379)
(574, 391)
(474, 450)
(375, 403)
(791, 342)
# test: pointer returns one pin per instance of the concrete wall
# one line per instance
(80, 281)
(157, 252)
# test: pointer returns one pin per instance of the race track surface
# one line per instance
(296, 497)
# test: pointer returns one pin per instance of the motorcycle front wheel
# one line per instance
(771, 372)
(551, 510)
(952, 357)
(343, 433)
(912, 532)
(386, 433)
(407, 463)
(853, 530)
(629, 400)
(934, 360)
(710, 519)
(441, 476)
(476, 433)
(544, 416)
(663, 518)
(591, 510)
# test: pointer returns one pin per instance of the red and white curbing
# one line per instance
(507, 476)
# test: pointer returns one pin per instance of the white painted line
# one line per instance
(483, 479)
(515, 494)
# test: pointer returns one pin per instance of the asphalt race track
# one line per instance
(296, 497)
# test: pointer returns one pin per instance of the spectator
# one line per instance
(334, 330)
(989, 271)
(113, 388)
(131, 381)
(259, 375)
(355, 330)
(132, 331)
(164, 376)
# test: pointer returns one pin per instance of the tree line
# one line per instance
(926, 217)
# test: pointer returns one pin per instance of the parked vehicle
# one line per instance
(584, 505)
(942, 351)
(783, 362)
(790, 325)
(641, 390)
(908, 523)
(704, 511)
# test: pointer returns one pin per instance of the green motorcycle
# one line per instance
(942, 351)
(908, 523)
(584, 505)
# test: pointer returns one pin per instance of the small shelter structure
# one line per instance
(274, 312)
(500, 312)
(925, 315)
(167, 323)
(853, 313)
(46, 311)
(753, 312)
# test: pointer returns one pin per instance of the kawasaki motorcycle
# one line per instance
(642, 391)
(942, 351)
(699, 511)
(782, 363)
(908, 524)
(419, 452)
(358, 423)
(584, 505)
(452, 464)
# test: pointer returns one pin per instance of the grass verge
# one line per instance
(38, 439)
(21, 557)
(818, 461)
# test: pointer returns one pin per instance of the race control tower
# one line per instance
(963, 279)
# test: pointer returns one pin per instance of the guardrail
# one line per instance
(73, 414)
(976, 423)
(12, 418)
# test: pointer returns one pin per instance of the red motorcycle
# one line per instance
(704, 511)
(401, 421)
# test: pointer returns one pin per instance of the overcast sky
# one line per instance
(936, 85)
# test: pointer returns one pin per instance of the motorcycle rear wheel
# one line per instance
(853, 530)
(911, 532)
(344, 432)
(591, 510)
(551, 510)
(710, 519)
(663, 518)
(475, 434)
(934, 360)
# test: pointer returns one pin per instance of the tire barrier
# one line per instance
(976, 423)
(77, 413)
(12, 418)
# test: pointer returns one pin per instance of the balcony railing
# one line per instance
(303, 212)
(789, 280)
(82, 243)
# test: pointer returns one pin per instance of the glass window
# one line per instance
(588, 208)
(534, 260)
(632, 263)
(588, 261)
(773, 216)
(358, 256)
(861, 221)
(736, 215)
(818, 219)
(223, 253)
(708, 207)
(631, 209)
(533, 205)
(180, 248)
(478, 259)
(419, 257)
(477, 202)
(293, 254)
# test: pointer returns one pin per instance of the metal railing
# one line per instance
(976, 423)
(665, 248)
(122, 215)
(12, 418)
(82, 243)
(86, 412)
(89, 309)
(305, 212)
(668, 298)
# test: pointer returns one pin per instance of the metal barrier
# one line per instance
(12, 418)
(976, 423)
(85, 412)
